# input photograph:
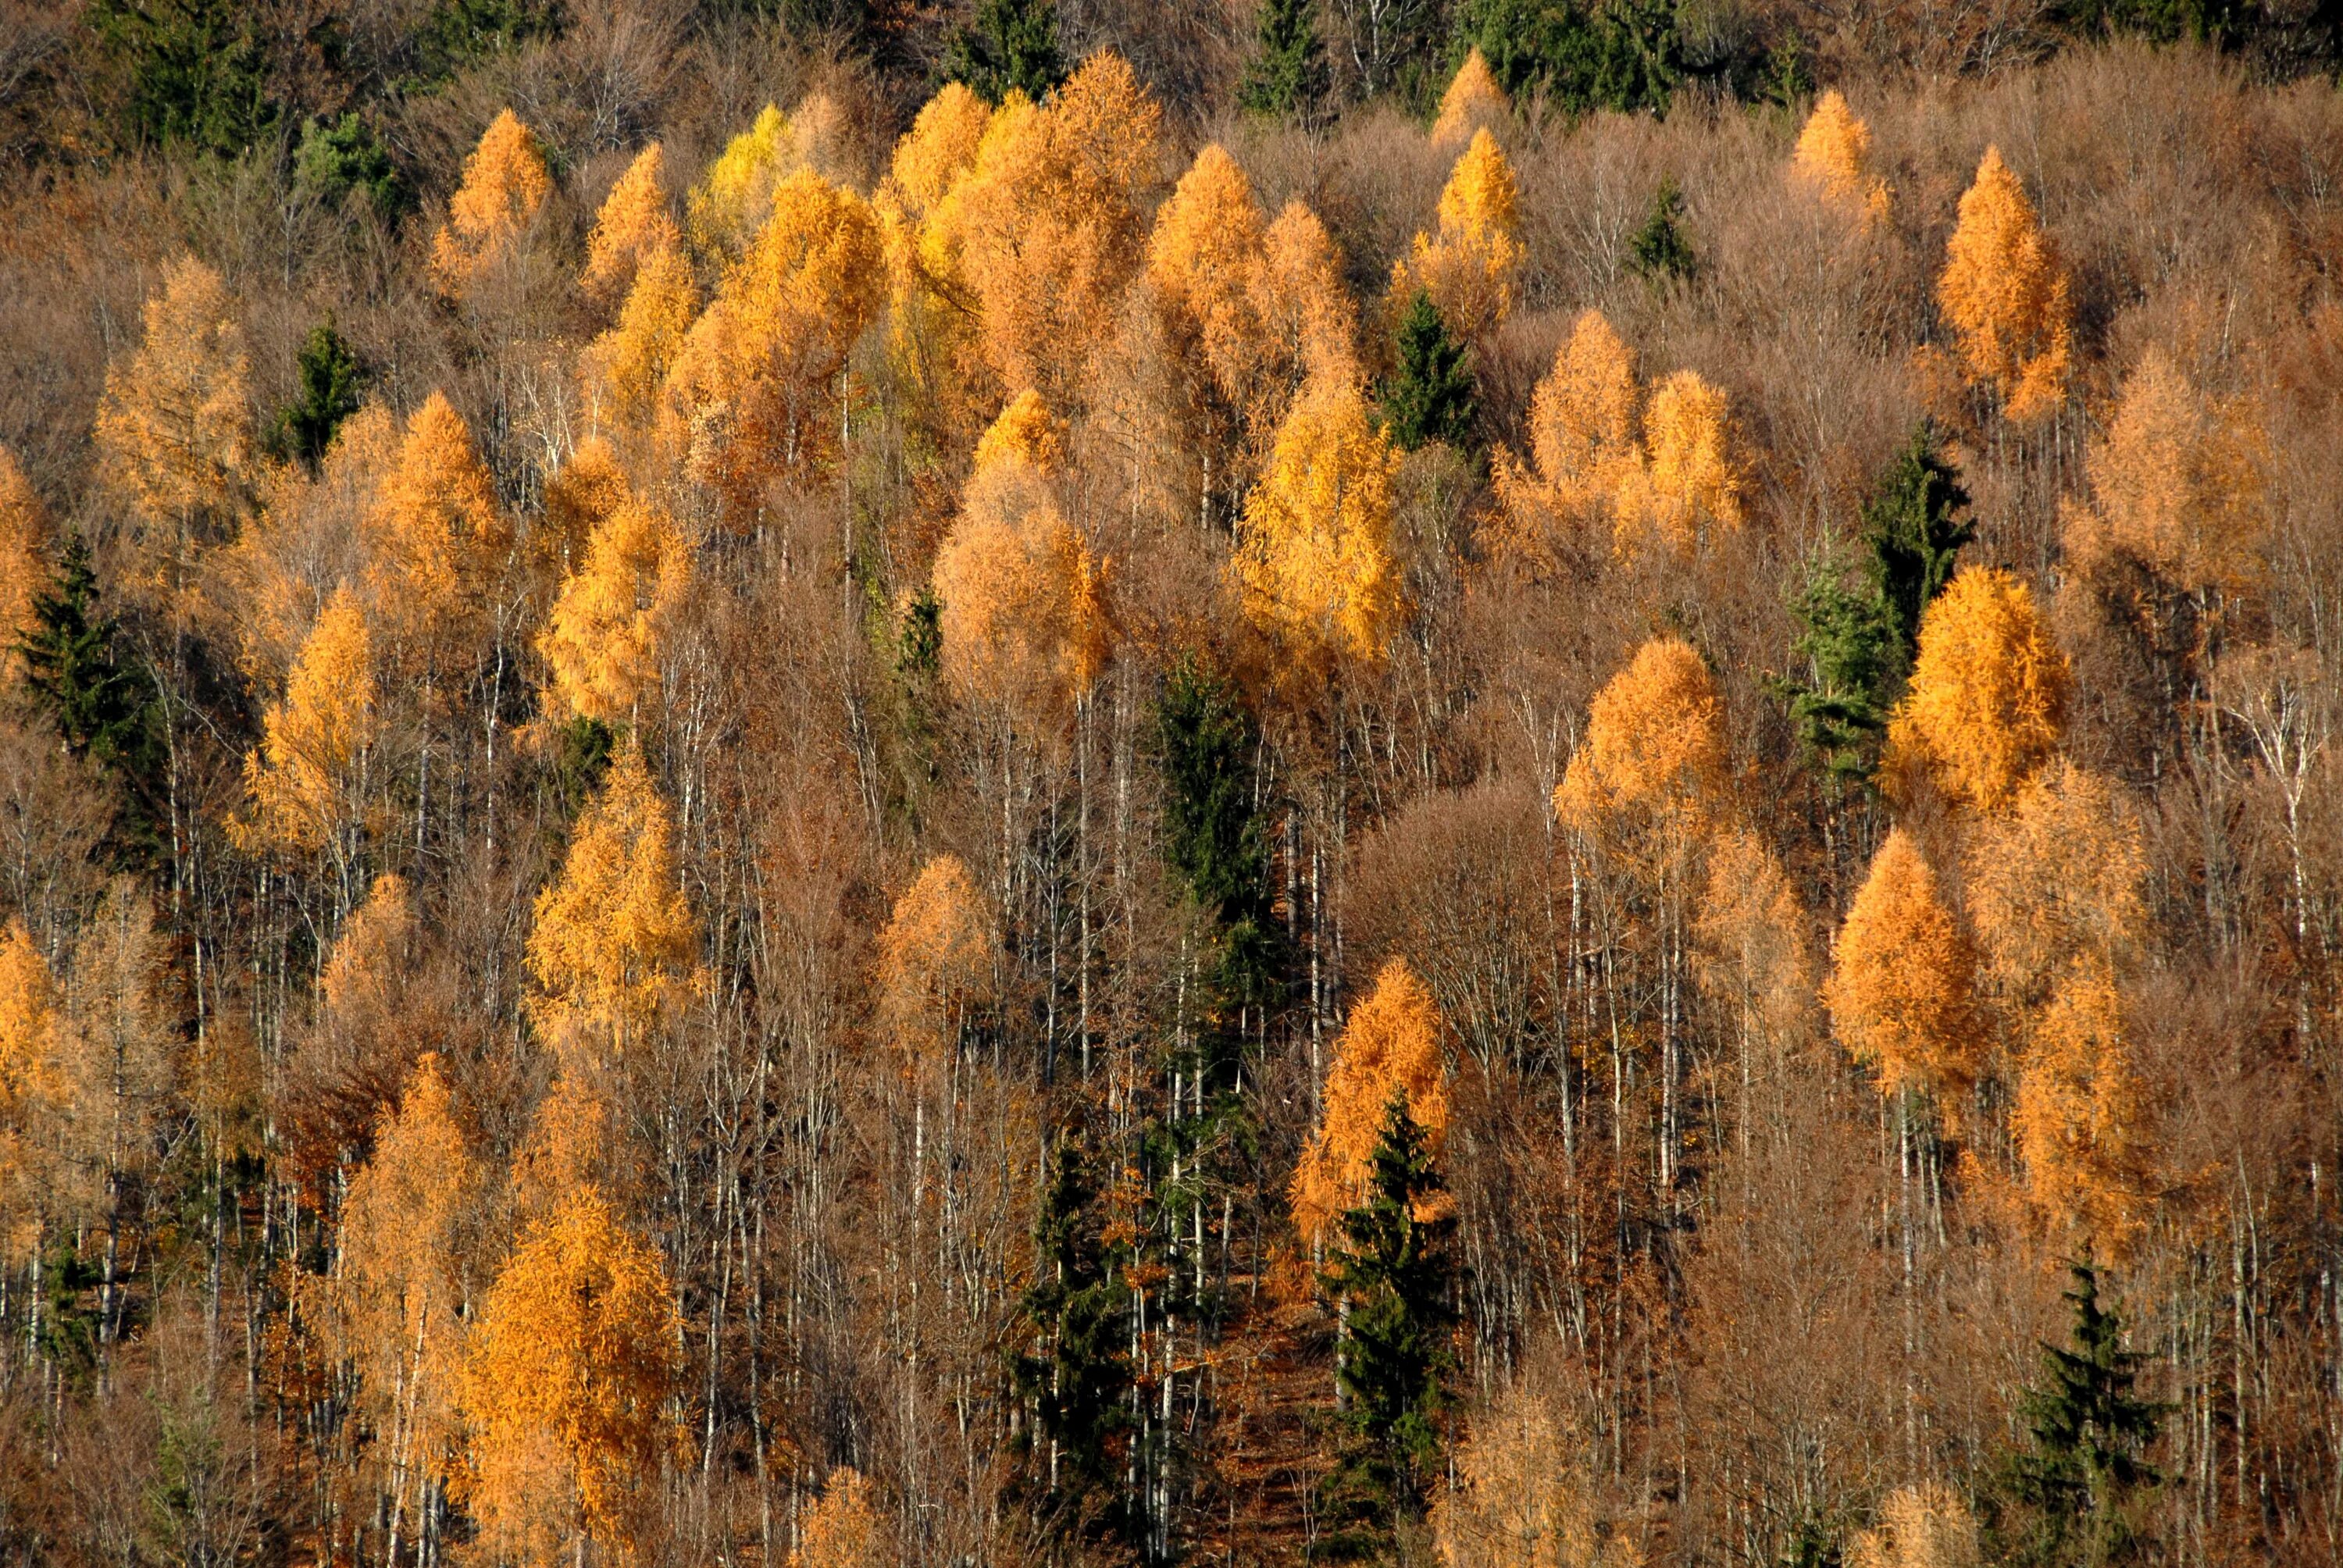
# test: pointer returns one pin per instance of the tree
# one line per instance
(438, 539)
(2006, 293)
(1924, 1527)
(1913, 530)
(1394, 1279)
(602, 640)
(33, 1093)
(1900, 989)
(1313, 559)
(174, 428)
(1753, 955)
(1304, 308)
(614, 948)
(102, 704)
(2078, 1112)
(1658, 253)
(1847, 638)
(505, 185)
(1654, 744)
(936, 960)
(1011, 46)
(1585, 444)
(403, 1289)
(1430, 395)
(312, 778)
(1389, 1049)
(339, 156)
(632, 226)
(628, 364)
(328, 378)
(192, 73)
(1834, 161)
(580, 498)
(2077, 1485)
(1470, 267)
(724, 210)
(571, 1367)
(1202, 257)
(1987, 697)
(842, 1528)
(1525, 1495)
(1690, 481)
(1474, 100)
(1624, 57)
(1288, 77)
(2056, 879)
(1213, 836)
(1074, 1370)
(23, 550)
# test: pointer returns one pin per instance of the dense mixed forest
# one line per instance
(1508, 783)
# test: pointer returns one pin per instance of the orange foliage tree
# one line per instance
(936, 960)
(842, 1528)
(1584, 420)
(2006, 293)
(33, 1093)
(1689, 484)
(1474, 100)
(24, 548)
(633, 225)
(1390, 1046)
(1834, 160)
(1987, 698)
(1654, 746)
(313, 776)
(2078, 1112)
(1470, 267)
(628, 364)
(573, 1358)
(1901, 985)
(438, 541)
(603, 636)
(1525, 1495)
(505, 185)
(2056, 879)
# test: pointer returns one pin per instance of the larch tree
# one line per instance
(1901, 989)
(1525, 1495)
(2059, 878)
(438, 542)
(1202, 261)
(937, 955)
(1473, 102)
(33, 1094)
(1834, 161)
(174, 430)
(313, 776)
(571, 1367)
(1303, 306)
(1313, 562)
(505, 186)
(1753, 957)
(1584, 446)
(842, 1528)
(2006, 293)
(1987, 699)
(1389, 1049)
(628, 365)
(24, 552)
(736, 191)
(579, 497)
(633, 225)
(614, 947)
(308, 539)
(1023, 612)
(932, 337)
(1929, 1525)
(2076, 1116)
(1470, 267)
(1689, 486)
(403, 1289)
(603, 638)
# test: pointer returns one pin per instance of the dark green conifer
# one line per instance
(1288, 77)
(1659, 253)
(1431, 396)
(330, 378)
(1011, 45)
(1914, 528)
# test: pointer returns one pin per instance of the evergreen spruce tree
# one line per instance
(330, 378)
(190, 73)
(2070, 1498)
(1010, 45)
(1395, 1281)
(1913, 530)
(104, 707)
(1659, 253)
(339, 156)
(1288, 77)
(1849, 645)
(1431, 396)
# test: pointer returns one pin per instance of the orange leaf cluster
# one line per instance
(633, 225)
(1390, 1046)
(936, 958)
(1473, 101)
(33, 1091)
(2078, 1113)
(1899, 992)
(2006, 293)
(1470, 267)
(1655, 745)
(505, 185)
(1834, 160)
(438, 541)
(312, 777)
(23, 548)
(603, 636)
(1987, 698)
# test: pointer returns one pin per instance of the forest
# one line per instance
(980, 783)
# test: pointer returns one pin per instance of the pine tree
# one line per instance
(1658, 252)
(1914, 528)
(2076, 1486)
(1288, 77)
(1396, 1282)
(194, 72)
(104, 707)
(1011, 47)
(1431, 396)
(328, 378)
(1848, 641)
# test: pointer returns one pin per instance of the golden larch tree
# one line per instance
(1753, 957)
(439, 539)
(2058, 877)
(1525, 1495)
(1987, 698)
(1470, 267)
(573, 1358)
(842, 1528)
(632, 226)
(33, 1093)
(402, 1286)
(1834, 160)
(935, 959)
(583, 493)
(2179, 483)
(1313, 560)
(1901, 990)
(1925, 1526)
(1689, 484)
(1202, 258)
(932, 335)
(1584, 444)
(1655, 745)
(940, 148)
(313, 775)
(1473, 101)
(732, 198)
(23, 558)
(628, 364)
(2076, 1116)
(603, 636)
(2006, 293)
(1304, 308)
(1390, 1046)
(174, 428)
(505, 185)
(614, 948)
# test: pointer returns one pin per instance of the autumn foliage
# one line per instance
(1988, 695)
(2005, 292)
(1902, 972)
(506, 183)
(1389, 1049)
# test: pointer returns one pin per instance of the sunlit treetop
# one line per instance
(1654, 741)
(1390, 1047)
(1471, 266)
(628, 365)
(1474, 100)
(1987, 699)
(1688, 487)
(939, 148)
(1899, 990)
(1833, 159)
(2061, 876)
(2005, 292)
(587, 488)
(603, 638)
(506, 183)
(633, 224)
(2078, 1116)
(1584, 444)
(1302, 301)
(843, 1527)
(725, 208)
(936, 959)
(1026, 432)
(439, 539)
(1202, 257)
(309, 776)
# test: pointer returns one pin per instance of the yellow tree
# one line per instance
(1390, 1046)
(842, 1528)
(1201, 259)
(2076, 1115)
(750, 391)
(603, 636)
(1987, 698)
(932, 333)
(1313, 562)
(935, 959)
(1023, 618)
(1524, 1494)
(1474, 100)
(734, 196)
(1753, 959)
(312, 778)
(581, 494)
(1834, 160)
(1308, 319)
(175, 425)
(628, 364)
(1689, 484)
(614, 947)
(633, 225)
(1583, 443)
(2058, 878)
(1924, 1527)
(33, 1094)
(402, 1287)
(23, 549)
(2179, 483)
(1900, 991)
(2006, 293)
(438, 539)
(575, 1356)
(1470, 267)
(505, 185)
